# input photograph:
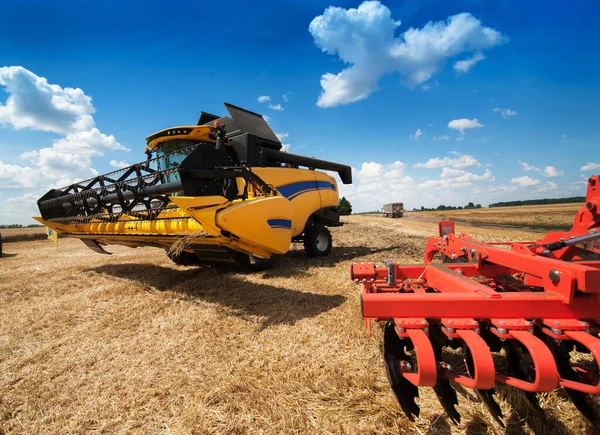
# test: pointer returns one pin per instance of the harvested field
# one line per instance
(10, 235)
(534, 216)
(132, 343)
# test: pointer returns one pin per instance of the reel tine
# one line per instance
(393, 353)
(443, 390)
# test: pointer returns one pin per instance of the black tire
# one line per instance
(317, 241)
(184, 258)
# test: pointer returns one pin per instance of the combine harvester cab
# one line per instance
(219, 192)
(531, 303)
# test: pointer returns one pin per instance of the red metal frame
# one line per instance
(530, 292)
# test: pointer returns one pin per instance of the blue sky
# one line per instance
(431, 102)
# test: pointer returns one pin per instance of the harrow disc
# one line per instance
(395, 357)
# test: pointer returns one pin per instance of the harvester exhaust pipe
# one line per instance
(344, 171)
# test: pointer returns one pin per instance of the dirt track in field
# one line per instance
(131, 343)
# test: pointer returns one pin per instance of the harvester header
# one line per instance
(224, 186)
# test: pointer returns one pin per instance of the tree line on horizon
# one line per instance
(568, 200)
(469, 206)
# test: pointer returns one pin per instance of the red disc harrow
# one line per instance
(512, 311)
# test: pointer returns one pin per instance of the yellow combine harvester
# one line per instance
(221, 191)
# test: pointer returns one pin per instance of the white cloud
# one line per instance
(417, 134)
(464, 176)
(429, 85)
(456, 179)
(35, 104)
(284, 146)
(277, 107)
(70, 157)
(119, 164)
(463, 66)
(589, 166)
(19, 209)
(364, 38)
(285, 97)
(376, 184)
(527, 167)
(505, 112)
(264, 99)
(442, 137)
(266, 118)
(548, 171)
(501, 188)
(463, 124)
(525, 181)
(551, 172)
(460, 162)
(15, 176)
(547, 187)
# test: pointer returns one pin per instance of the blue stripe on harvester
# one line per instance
(280, 223)
(295, 189)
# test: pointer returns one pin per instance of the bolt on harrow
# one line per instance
(513, 311)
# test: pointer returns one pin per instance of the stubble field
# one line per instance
(22, 234)
(131, 343)
(533, 216)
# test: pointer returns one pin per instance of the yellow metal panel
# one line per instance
(307, 190)
(263, 222)
(203, 209)
(170, 227)
(329, 195)
(200, 133)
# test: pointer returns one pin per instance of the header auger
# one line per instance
(529, 303)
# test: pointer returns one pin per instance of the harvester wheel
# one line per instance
(184, 258)
(317, 241)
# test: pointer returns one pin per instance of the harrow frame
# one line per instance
(534, 300)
